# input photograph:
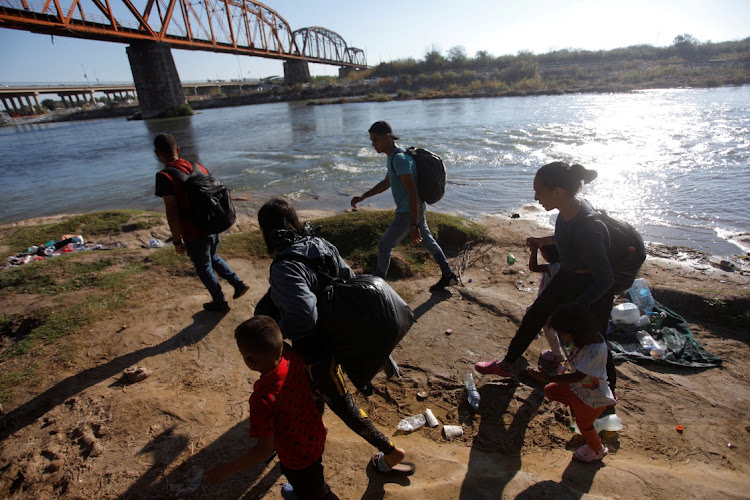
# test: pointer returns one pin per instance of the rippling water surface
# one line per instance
(675, 163)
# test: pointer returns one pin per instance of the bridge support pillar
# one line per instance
(296, 71)
(157, 83)
(344, 72)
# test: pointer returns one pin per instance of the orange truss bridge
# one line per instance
(229, 26)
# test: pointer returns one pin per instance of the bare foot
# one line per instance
(394, 457)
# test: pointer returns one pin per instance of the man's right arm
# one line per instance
(175, 225)
(379, 188)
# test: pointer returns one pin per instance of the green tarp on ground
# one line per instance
(669, 329)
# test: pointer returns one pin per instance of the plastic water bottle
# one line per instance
(511, 259)
(649, 344)
(641, 296)
(412, 423)
(472, 394)
(611, 423)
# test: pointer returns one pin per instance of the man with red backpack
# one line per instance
(187, 236)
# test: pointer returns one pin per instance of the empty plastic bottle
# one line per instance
(649, 344)
(641, 296)
(412, 423)
(511, 259)
(472, 394)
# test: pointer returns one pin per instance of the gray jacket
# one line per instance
(294, 284)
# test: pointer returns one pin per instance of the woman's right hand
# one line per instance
(532, 243)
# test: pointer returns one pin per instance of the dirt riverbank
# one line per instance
(84, 431)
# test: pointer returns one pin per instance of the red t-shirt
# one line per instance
(168, 185)
(282, 405)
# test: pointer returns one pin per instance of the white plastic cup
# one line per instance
(432, 421)
(453, 431)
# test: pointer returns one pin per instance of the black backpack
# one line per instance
(362, 319)
(626, 250)
(211, 206)
(431, 176)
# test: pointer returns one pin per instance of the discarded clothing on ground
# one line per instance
(671, 331)
(67, 244)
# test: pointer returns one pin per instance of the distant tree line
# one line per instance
(686, 62)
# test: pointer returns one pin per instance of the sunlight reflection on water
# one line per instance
(673, 162)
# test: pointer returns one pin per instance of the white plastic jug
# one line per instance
(626, 312)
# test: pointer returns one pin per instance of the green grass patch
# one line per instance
(243, 245)
(65, 321)
(53, 276)
(15, 378)
(356, 235)
(170, 261)
(118, 280)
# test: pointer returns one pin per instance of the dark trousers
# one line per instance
(564, 288)
(309, 483)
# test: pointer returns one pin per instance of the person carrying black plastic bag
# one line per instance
(292, 301)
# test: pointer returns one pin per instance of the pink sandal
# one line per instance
(586, 454)
(491, 368)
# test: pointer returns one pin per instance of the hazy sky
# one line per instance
(394, 30)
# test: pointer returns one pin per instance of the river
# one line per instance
(675, 163)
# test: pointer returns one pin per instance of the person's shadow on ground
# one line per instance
(495, 456)
(576, 482)
(489, 472)
(203, 323)
(377, 481)
(435, 299)
(185, 479)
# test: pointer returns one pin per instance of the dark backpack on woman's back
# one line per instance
(626, 250)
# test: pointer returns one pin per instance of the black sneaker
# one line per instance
(448, 280)
(240, 290)
(216, 306)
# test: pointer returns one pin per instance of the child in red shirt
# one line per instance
(283, 413)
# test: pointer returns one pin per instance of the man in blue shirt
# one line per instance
(409, 221)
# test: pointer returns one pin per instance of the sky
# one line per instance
(388, 31)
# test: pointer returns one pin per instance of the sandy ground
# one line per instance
(86, 432)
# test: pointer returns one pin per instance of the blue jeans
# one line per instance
(400, 229)
(205, 260)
